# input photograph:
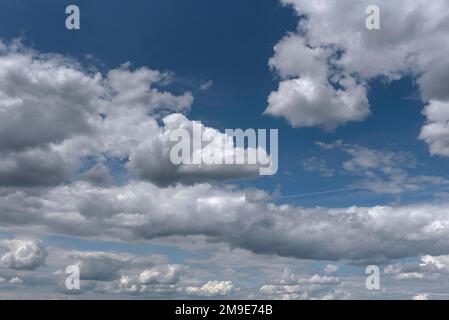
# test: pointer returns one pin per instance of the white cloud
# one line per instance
(23, 254)
(132, 89)
(332, 46)
(167, 274)
(15, 280)
(212, 289)
(150, 160)
(306, 97)
(305, 103)
(436, 131)
(54, 114)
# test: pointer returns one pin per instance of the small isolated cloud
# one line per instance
(15, 280)
(331, 269)
(206, 86)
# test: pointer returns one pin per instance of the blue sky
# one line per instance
(385, 159)
(214, 41)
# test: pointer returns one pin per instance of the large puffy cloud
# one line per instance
(306, 103)
(55, 114)
(413, 39)
(47, 104)
(151, 161)
(144, 211)
(306, 96)
(23, 254)
(43, 99)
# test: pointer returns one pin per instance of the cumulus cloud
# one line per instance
(23, 254)
(51, 111)
(166, 274)
(43, 99)
(436, 131)
(212, 289)
(308, 94)
(325, 65)
(55, 114)
(151, 161)
(15, 280)
(307, 104)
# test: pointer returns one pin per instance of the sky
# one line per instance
(86, 177)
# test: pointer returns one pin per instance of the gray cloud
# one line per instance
(143, 211)
(99, 266)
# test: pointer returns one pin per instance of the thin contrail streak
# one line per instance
(314, 193)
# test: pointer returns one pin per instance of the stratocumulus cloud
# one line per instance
(144, 211)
